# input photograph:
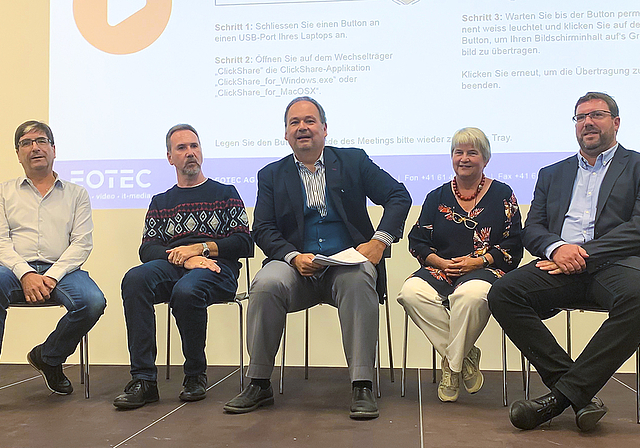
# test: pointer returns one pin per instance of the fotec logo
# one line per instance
(136, 32)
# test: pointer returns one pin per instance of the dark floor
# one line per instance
(311, 413)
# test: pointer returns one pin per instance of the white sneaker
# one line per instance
(471, 375)
(449, 387)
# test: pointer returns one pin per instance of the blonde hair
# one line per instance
(472, 136)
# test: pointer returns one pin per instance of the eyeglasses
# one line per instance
(594, 115)
(27, 142)
(468, 222)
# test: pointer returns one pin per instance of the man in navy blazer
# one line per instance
(311, 202)
(584, 224)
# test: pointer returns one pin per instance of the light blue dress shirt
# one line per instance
(579, 222)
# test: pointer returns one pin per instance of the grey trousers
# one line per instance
(278, 289)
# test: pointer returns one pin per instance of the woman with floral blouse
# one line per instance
(467, 236)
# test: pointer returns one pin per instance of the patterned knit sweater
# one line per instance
(210, 211)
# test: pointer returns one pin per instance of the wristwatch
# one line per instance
(485, 262)
(205, 250)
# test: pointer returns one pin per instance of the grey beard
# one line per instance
(191, 170)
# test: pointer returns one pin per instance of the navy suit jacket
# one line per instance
(351, 177)
(617, 223)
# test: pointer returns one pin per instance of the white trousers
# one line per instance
(451, 331)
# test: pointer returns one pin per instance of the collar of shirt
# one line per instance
(318, 163)
(603, 158)
(22, 180)
(579, 222)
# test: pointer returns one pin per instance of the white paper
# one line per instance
(347, 257)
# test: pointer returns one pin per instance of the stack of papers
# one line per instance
(347, 257)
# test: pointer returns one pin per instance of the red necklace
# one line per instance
(467, 198)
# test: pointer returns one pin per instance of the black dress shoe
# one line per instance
(53, 376)
(527, 414)
(195, 388)
(136, 394)
(363, 404)
(251, 398)
(590, 415)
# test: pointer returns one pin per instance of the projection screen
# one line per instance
(396, 78)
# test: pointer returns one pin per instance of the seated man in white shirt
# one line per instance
(45, 236)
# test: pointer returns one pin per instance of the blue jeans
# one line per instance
(82, 298)
(189, 293)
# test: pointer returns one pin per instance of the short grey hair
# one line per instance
(323, 117)
(179, 127)
(472, 136)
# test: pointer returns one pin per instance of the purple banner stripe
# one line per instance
(114, 184)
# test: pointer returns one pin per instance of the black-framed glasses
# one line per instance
(468, 222)
(27, 142)
(594, 115)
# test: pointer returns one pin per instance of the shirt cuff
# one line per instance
(383, 236)
(55, 272)
(549, 250)
(21, 269)
(291, 255)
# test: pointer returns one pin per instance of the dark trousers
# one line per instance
(523, 297)
(189, 293)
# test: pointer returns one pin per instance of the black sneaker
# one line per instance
(194, 388)
(53, 376)
(136, 394)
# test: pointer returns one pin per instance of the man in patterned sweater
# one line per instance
(194, 234)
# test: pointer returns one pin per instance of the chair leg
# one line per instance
(284, 340)
(527, 391)
(389, 344)
(638, 385)
(241, 324)
(84, 362)
(569, 333)
(403, 375)
(524, 372)
(526, 375)
(505, 399)
(433, 363)
(377, 370)
(306, 344)
(168, 375)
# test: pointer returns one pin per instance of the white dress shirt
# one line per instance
(54, 228)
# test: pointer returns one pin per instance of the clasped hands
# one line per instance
(37, 288)
(456, 266)
(372, 249)
(190, 257)
(567, 259)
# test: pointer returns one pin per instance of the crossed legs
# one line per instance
(521, 299)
